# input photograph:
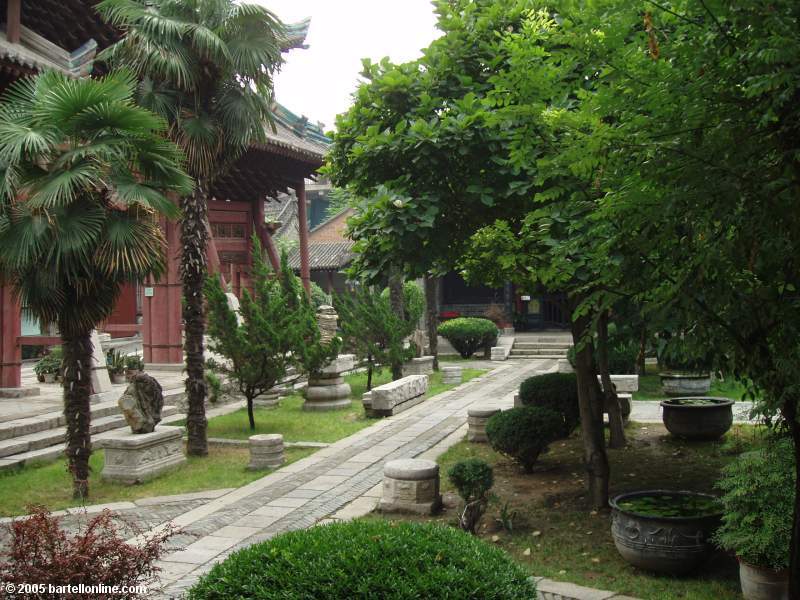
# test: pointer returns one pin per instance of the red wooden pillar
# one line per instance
(161, 310)
(302, 218)
(10, 330)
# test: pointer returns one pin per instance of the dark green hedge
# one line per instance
(524, 433)
(556, 391)
(469, 334)
(368, 559)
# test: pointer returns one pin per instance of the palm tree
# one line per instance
(207, 67)
(83, 171)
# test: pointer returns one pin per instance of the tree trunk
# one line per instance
(369, 372)
(790, 415)
(591, 410)
(398, 307)
(250, 416)
(432, 316)
(77, 412)
(641, 366)
(611, 401)
(194, 239)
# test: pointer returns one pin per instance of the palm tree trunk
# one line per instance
(194, 239)
(77, 390)
(432, 316)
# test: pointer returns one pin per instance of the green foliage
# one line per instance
(758, 499)
(473, 478)
(214, 384)
(134, 362)
(469, 334)
(676, 353)
(278, 330)
(83, 172)
(413, 302)
(368, 559)
(115, 361)
(557, 392)
(524, 433)
(50, 363)
(318, 296)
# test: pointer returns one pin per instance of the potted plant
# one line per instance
(47, 368)
(758, 502)
(134, 364)
(665, 531)
(697, 417)
(115, 361)
(684, 370)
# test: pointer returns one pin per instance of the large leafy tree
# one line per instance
(83, 173)
(207, 67)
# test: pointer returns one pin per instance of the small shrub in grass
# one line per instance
(524, 433)
(469, 334)
(473, 478)
(368, 559)
(40, 552)
(556, 391)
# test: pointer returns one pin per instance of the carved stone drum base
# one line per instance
(137, 457)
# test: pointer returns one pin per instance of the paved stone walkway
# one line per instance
(317, 487)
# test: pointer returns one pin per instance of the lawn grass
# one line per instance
(650, 387)
(556, 535)
(296, 425)
(49, 483)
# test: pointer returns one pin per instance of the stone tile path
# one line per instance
(318, 487)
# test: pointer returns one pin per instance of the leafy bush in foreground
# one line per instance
(368, 559)
(556, 391)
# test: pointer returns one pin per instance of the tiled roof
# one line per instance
(324, 256)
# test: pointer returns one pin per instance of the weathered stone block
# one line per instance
(476, 423)
(411, 485)
(397, 396)
(499, 353)
(141, 403)
(341, 364)
(136, 457)
(451, 375)
(266, 451)
(624, 383)
(419, 366)
(326, 397)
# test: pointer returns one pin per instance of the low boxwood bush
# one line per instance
(524, 433)
(758, 502)
(473, 478)
(368, 559)
(556, 391)
(469, 334)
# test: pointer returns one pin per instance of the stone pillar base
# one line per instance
(328, 390)
(411, 486)
(134, 458)
(476, 423)
(266, 451)
(18, 392)
(451, 375)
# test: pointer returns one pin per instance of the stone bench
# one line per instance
(266, 451)
(411, 485)
(451, 375)
(624, 383)
(396, 396)
(418, 366)
(476, 423)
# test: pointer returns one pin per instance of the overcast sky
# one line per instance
(319, 81)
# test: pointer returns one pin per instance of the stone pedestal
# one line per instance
(451, 375)
(99, 374)
(498, 353)
(517, 401)
(134, 458)
(418, 366)
(272, 398)
(476, 423)
(411, 485)
(266, 451)
(327, 390)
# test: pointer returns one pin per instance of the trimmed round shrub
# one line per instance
(622, 357)
(469, 334)
(368, 559)
(473, 478)
(758, 502)
(556, 391)
(524, 433)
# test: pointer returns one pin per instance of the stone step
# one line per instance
(538, 351)
(534, 356)
(55, 437)
(52, 420)
(533, 345)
